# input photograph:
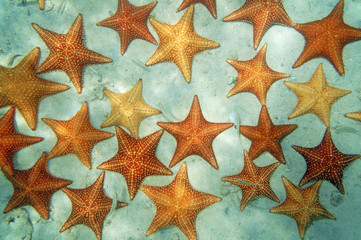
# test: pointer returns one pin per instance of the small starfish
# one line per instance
(325, 162)
(195, 135)
(179, 43)
(266, 136)
(178, 204)
(129, 109)
(130, 22)
(67, 52)
(209, 4)
(254, 181)
(34, 187)
(326, 38)
(90, 206)
(354, 115)
(302, 204)
(255, 76)
(76, 135)
(315, 96)
(136, 159)
(21, 88)
(41, 4)
(262, 14)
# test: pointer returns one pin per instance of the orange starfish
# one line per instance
(195, 135)
(90, 206)
(327, 38)
(255, 76)
(266, 136)
(136, 159)
(21, 88)
(209, 4)
(130, 22)
(67, 52)
(76, 135)
(262, 14)
(254, 181)
(34, 187)
(178, 204)
(302, 204)
(325, 162)
(179, 43)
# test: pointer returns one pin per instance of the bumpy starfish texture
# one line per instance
(255, 76)
(21, 88)
(209, 4)
(325, 162)
(195, 135)
(34, 187)
(129, 109)
(354, 115)
(130, 22)
(326, 38)
(179, 43)
(178, 204)
(266, 136)
(67, 52)
(315, 96)
(76, 135)
(90, 206)
(302, 204)
(254, 181)
(262, 14)
(136, 159)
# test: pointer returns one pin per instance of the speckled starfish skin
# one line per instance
(67, 52)
(354, 115)
(178, 204)
(209, 4)
(302, 204)
(326, 38)
(179, 43)
(130, 22)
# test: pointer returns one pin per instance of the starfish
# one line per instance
(254, 181)
(178, 204)
(195, 135)
(76, 135)
(41, 4)
(90, 206)
(128, 109)
(302, 204)
(262, 14)
(67, 52)
(255, 76)
(327, 38)
(266, 136)
(136, 159)
(315, 96)
(130, 22)
(21, 88)
(34, 187)
(325, 162)
(179, 43)
(354, 115)
(209, 4)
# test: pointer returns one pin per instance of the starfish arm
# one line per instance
(184, 64)
(51, 63)
(125, 141)
(354, 115)
(41, 4)
(247, 195)
(161, 220)
(51, 39)
(30, 61)
(188, 226)
(75, 33)
(176, 129)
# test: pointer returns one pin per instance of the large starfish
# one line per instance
(325, 162)
(90, 206)
(34, 187)
(354, 115)
(178, 204)
(209, 4)
(129, 109)
(266, 136)
(327, 38)
(76, 135)
(179, 43)
(136, 159)
(255, 76)
(254, 181)
(130, 22)
(195, 135)
(21, 88)
(262, 14)
(302, 204)
(315, 96)
(68, 53)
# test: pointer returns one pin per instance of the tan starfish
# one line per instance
(41, 4)
(354, 115)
